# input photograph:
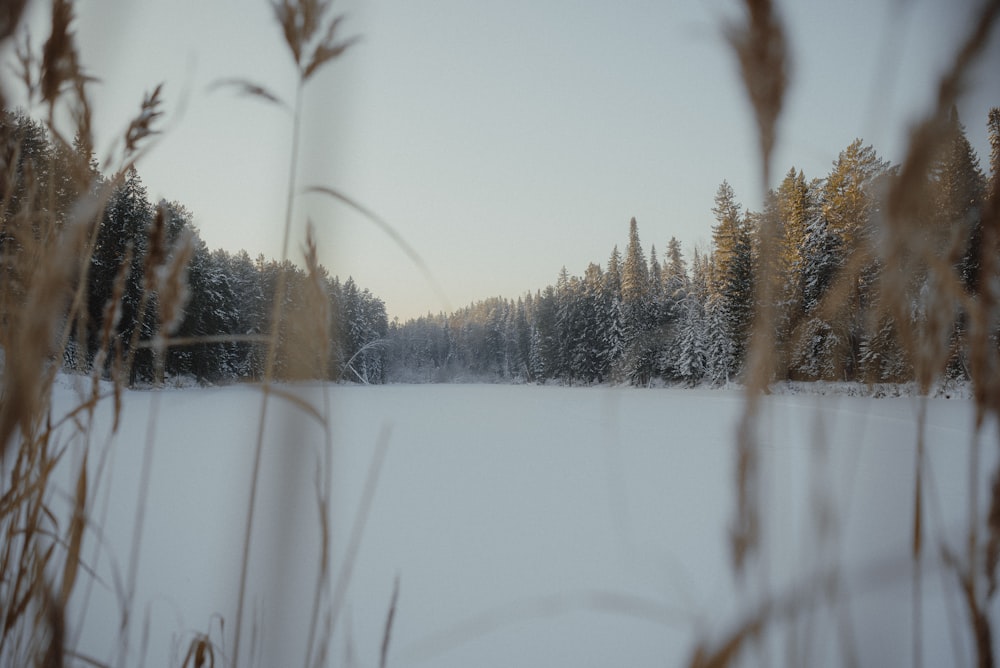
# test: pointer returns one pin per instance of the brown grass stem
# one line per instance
(272, 349)
(389, 618)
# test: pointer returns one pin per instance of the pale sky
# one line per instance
(504, 140)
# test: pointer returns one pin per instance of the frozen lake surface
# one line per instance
(527, 526)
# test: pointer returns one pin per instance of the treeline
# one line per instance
(840, 311)
(227, 310)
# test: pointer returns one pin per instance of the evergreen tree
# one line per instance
(596, 324)
(635, 272)
(639, 359)
(737, 299)
(655, 272)
(613, 275)
(850, 207)
(725, 236)
(960, 189)
(850, 197)
(690, 353)
(544, 341)
(993, 132)
(123, 230)
(822, 254)
(793, 203)
(675, 278)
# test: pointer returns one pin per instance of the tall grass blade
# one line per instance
(390, 616)
(397, 238)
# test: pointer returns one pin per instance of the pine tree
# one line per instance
(675, 278)
(993, 132)
(850, 200)
(960, 190)
(655, 272)
(690, 353)
(637, 309)
(124, 226)
(544, 341)
(737, 299)
(725, 235)
(822, 254)
(635, 272)
(613, 275)
(850, 206)
(793, 202)
(522, 341)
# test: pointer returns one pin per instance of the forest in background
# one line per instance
(221, 334)
(678, 319)
(637, 319)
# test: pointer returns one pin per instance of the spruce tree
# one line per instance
(675, 278)
(738, 298)
(638, 362)
(124, 226)
(635, 272)
(792, 200)
(993, 132)
(725, 234)
(960, 189)
(613, 275)
(850, 197)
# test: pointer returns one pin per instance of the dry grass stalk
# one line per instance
(389, 618)
(300, 21)
(60, 63)
(171, 288)
(141, 127)
(916, 255)
(912, 248)
(77, 523)
(31, 334)
(761, 49)
(200, 654)
(10, 17)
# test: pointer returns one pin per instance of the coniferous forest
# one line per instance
(220, 335)
(674, 316)
(686, 318)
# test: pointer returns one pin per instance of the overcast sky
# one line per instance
(504, 140)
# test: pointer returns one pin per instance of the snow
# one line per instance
(528, 525)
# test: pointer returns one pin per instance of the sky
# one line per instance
(502, 141)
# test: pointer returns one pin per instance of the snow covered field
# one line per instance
(529, 526)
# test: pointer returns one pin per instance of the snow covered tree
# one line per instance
(544, 337)
(675, 276)
(822, 254)
(792, 200)
(123, 230)
(690, 353)
(738, 297)
(639, 361)
(655, 274)
(613, 274)
(850, 205)
(725, 236)
(635, 272)
(993, 132)
(365, 326)
(960, 190)
(850, 193)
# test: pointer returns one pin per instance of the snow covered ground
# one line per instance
(528, 526)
